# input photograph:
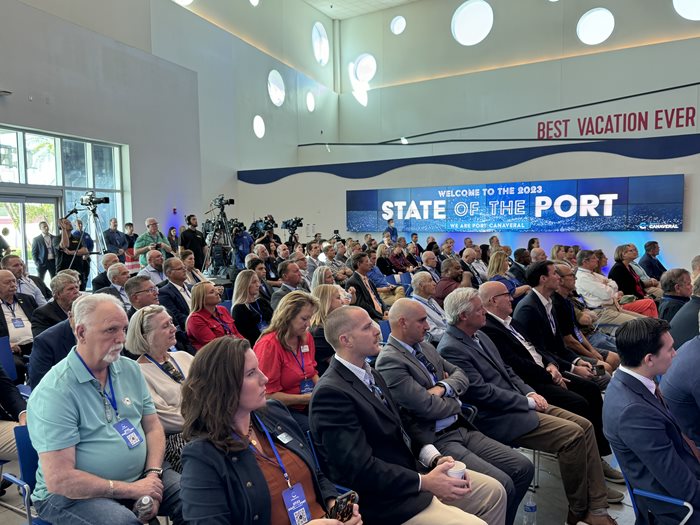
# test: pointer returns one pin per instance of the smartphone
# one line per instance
(342, 510)
(599, 370)
(157, 246)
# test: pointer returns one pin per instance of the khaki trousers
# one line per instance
(610, 318)
(572, 438)
(437, 513)
(8, 448)
(390, 298)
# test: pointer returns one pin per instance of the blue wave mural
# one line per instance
(655, 148)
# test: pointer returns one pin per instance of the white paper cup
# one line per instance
(458, 470)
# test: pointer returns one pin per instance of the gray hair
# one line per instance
(113, 270)
(83, 308)
(319, 276)
(419, 278)
(140, 327)
(671, 278)
(60, 281)
(459, 301)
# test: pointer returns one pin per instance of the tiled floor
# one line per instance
(551, 503)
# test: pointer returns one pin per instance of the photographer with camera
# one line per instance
(153, 239)
(192, 239)
(269, 234)
(69, 249)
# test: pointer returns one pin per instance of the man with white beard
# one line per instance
(95, 427)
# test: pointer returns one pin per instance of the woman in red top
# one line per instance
(287, 354)
(208, 320)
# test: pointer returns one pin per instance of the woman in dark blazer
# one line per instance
(629, 282)
(250, 312)
(228, 420)
(329, 299)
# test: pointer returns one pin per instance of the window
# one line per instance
(472, 22)
(595, 26)
(275, 87)
(397, 25)
(258, 126)
(41, 159)
(319, 41)
(9, 156)
(365, 67)
(688, 9)
(103, 166)
(74, 164)
(310, 102)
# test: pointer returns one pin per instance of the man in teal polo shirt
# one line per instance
(153, 239)
(94, 425)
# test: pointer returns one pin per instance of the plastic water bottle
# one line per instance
(143, 507)
(530, 509)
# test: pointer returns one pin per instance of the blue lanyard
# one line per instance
(256, 309)
(225, 326)
(11, 308)
(111, 397)
(274, 449)
(301, 365)
(161, 366)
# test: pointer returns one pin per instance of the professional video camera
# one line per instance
(293, 224)
(89, 200)
(236, 226)
(220, 202)
(265, 224)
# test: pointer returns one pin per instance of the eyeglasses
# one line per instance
(152, 224)
(500, 294)
(152, 289)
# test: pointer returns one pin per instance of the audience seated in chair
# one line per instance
(677, 288)
(66, 289)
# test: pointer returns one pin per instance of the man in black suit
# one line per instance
(50, 346)
(66, 289)
(510, 411)
(26, 284)
(175, 296)
(258, 266)
(362, 443)
(117, 274)
(101, 281)
(540, 370)
(43, 251)
(520, 264)
(291, 277)
(367, 295)
(20, 308)
(536, 317)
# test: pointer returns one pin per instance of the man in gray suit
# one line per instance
(291, 277)
(428, 388)
(511, 412)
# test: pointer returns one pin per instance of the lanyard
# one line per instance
(111, 397)
(11, 307)
(301, 365)
(161, 366)
(274, 449)
(256, 309)
(225, 326)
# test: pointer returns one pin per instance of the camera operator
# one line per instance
(243, 241)
(151, 240)
(69, 249)
(193, 239)
(269, 234)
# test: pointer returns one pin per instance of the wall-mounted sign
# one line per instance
(652, 203)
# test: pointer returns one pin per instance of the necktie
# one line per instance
(377, 304)
(691, 444)
(430, 367)
(552, 324)
(376, 390)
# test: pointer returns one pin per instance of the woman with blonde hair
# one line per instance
(498, 271)
(287, 354)
(251, 314)
(208, 320)
(151, 336)
(322, 275)
(329, 299)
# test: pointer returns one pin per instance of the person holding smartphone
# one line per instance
(247, 460)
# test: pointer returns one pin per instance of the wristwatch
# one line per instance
(158, 471)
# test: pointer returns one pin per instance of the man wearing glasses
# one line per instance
(153, 239)
(94, 425)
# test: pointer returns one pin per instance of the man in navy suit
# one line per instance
(650, 261)
(367, 295)
(50, 346)
(510, 411)
(681, 388)
(43, 252)
(175, 296)
(647, 440)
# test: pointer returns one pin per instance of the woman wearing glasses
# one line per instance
(151, 336)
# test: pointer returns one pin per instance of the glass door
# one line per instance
(19, 224)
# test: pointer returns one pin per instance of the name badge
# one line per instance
(305, 348)
(262, 325)
(296, 505)
(128, 432)
(17, 323)
(307, 386)
(284, 438)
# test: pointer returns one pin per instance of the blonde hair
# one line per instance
(324, 293)
(198, 292)
(140, 327)
(381, 249)
(240, 287)
(287, 309)
(496, 263)
(319, 276)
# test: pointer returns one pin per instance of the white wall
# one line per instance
(86, 85)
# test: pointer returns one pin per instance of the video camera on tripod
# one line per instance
(90, 201)
(265, 224)
(293, 224)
